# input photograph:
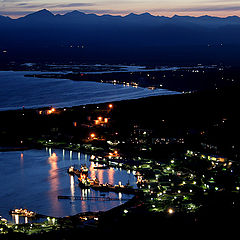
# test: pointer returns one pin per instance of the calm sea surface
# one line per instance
(33, 179)
(17, 91)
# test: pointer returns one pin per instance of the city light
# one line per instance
(92, 135)
(170, 211)
(52, 110)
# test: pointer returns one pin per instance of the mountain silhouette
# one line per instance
(132, 38)
(40, 14)
(176, 19)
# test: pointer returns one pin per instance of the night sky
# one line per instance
(221, 8)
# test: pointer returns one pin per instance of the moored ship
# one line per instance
(23, 213)
(74, 171)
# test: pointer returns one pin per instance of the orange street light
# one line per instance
(51, 111)
(92, 135)
(170, 211)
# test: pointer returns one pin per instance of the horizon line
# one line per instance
(88, 12)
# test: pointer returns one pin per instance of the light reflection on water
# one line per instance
(54, 180)
(33, 179)
(21, 160)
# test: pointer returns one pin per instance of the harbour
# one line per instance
(85, 182)
(42, 174)
(119, 119)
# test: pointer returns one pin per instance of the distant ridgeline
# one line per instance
(135, 38)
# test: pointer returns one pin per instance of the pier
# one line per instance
(85, 182)
(117, 188)
(92, 198)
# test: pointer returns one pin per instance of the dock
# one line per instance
(116, 188)
(92, 198)
(84, 182)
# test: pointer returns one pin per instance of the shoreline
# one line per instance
(12, 149)
(172, 93)
(185, 128)
(88, 104)
(81, 218)
(119, 94)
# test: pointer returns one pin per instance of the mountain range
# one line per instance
(144, 18)
(132, 38)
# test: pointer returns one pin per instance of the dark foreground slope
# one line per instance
(209, 117)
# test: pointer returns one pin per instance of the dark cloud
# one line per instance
(10, 1)
(74, 5)
(32, 6)
(46, 5)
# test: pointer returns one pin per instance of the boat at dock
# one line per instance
(85, 182)
(104, 166)
(74, 171)
(84, 170)
(23, 213)
(82, 174)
